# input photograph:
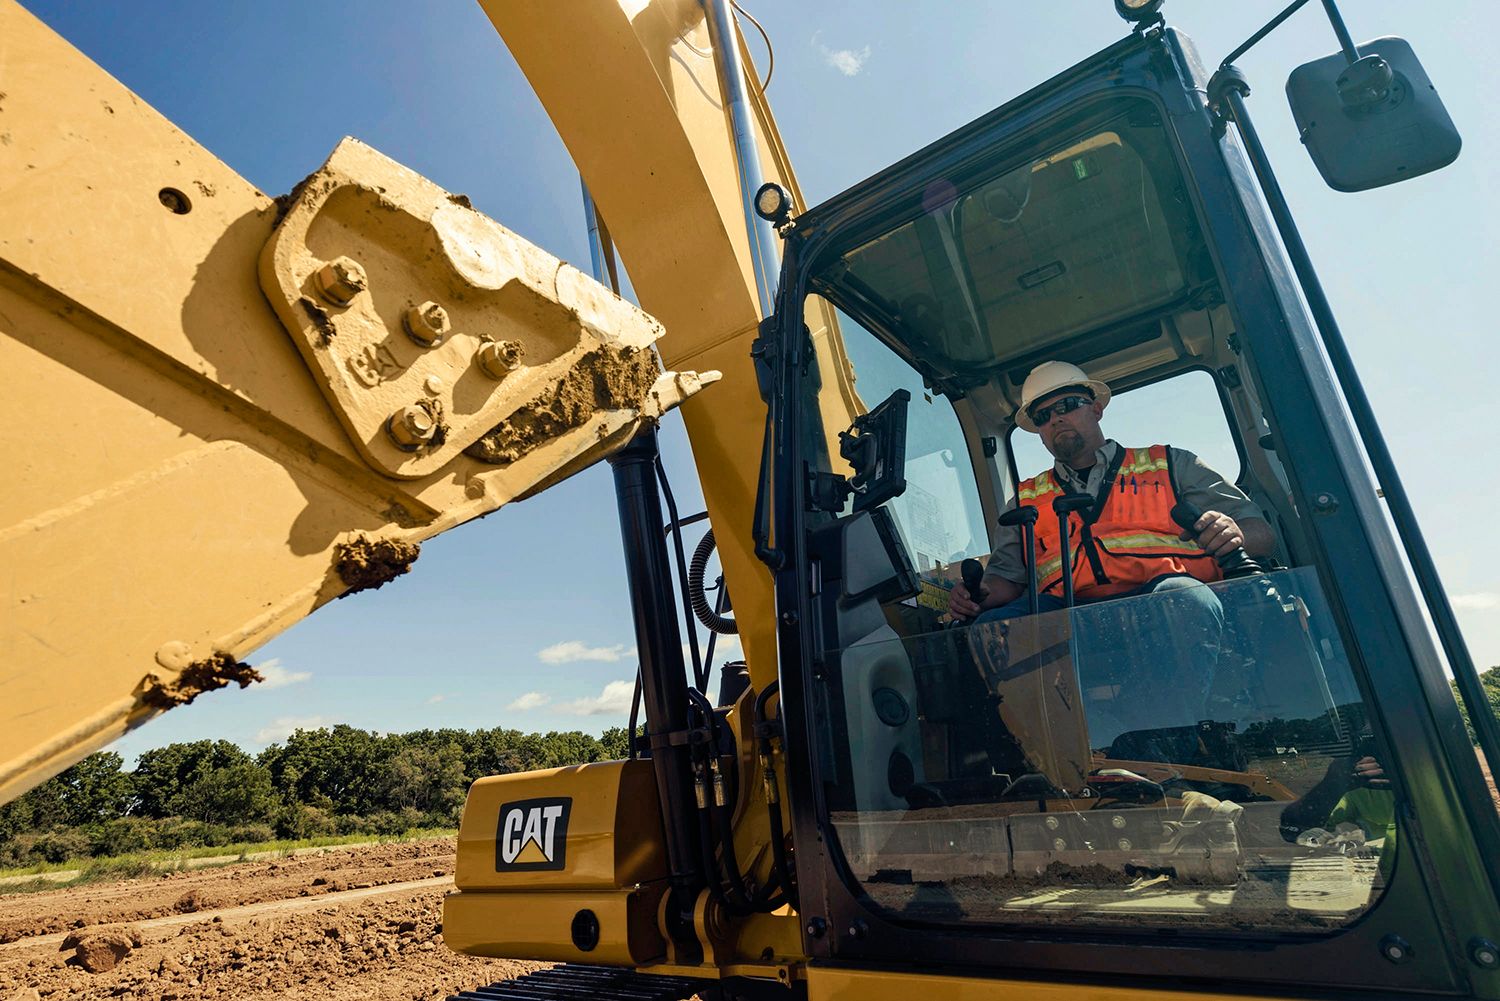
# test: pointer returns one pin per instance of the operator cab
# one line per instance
(1120, 764)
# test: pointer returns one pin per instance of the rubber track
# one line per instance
(571, 982)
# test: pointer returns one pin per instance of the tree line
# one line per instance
(328, 781)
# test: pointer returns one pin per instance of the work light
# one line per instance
(1137, 10)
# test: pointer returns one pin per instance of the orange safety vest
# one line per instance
(1130, 541)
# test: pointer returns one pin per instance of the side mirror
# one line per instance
(1374, 121)
(875, 445)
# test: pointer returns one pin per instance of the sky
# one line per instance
(522, 620)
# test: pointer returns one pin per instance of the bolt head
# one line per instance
(433, 384)
(411, 427)
(426, 323)
(1395, 948)
(1123, 844)
(1117, 822)
(1051, 823)
(497, 359)
(341, 280)
(1058, 844)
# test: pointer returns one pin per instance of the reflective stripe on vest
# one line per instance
(1136, 538)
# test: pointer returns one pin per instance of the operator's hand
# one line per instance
(1368, 769)
(962, 605)
(1217, 533)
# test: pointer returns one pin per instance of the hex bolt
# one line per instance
(426, 323)
(1058, 844)
(1484, 953)
(497, 359)
(1117, 822)
(411, 427)
(1123, 844)
(340, 280)
(1051, 823)
(816, 927)
(1395, 948)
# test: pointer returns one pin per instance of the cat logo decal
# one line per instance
(532, 835)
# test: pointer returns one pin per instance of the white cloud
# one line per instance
(847, 61)
(433, 700)
(277, 676)
(614, 700)
(1478, 600)
(283, 727)
(725, 648)
(531, 700)
(569, 651)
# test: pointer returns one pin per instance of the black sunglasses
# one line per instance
(1066, 405)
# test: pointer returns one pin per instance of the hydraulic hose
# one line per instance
(781, 864)
(735, 894)
(711, 619)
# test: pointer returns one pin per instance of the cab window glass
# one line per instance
(939, 514)
(1195, 756)
(1184, 411)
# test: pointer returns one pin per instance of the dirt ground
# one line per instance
(349, 924)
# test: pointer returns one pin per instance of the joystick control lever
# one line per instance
(1065, 506)
(1235, 563)
(972, 573)
(1025, 517)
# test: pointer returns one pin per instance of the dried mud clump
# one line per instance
(320, 319)
(602, 380)
(364, 563)
(201, 676)
(283, 203)
(101, 951)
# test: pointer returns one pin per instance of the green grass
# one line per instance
(111, 868)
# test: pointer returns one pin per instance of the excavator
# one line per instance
(287, 396)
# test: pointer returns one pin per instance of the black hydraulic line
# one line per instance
(635, 713)
(707, 614)
(1232, 91)
(663, 677)
(736, 896)
(708, 653)
(700, 676)
(781, 864)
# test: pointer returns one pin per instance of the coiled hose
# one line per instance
(724, 625)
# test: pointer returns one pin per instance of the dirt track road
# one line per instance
(346, 925)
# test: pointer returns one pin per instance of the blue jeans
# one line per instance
(1143, 664)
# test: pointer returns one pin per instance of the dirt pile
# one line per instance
(378, 949)
(181, 942)
(337, 869)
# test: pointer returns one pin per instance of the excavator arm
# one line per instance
(225, 410)
(265, 404)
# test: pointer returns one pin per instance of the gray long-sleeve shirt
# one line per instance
(1196, 483)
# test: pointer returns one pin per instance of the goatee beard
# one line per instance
(1068, 445)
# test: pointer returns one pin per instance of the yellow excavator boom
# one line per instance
(224, 410)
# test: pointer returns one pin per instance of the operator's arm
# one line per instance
(1204, 488)
(1001, 582)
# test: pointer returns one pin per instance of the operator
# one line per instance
(1126, 545)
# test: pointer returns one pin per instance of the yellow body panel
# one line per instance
(614, 836)
(539, 925)
(830, 984)
(643, 119)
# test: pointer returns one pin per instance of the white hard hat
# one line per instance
(1046, 379)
